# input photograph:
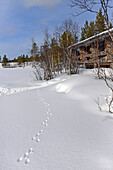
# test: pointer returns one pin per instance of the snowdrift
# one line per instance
(55, 124)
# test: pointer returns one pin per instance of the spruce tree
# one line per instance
(19, 60)
(4, 61)
(26, 59)
(34, 50)
(100, 22)
(90, 30)
(66, 39)
(23, 59)
(110, 25)
(84, 31)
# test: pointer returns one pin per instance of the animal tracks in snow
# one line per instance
(9, 91)
(26, 156)
(37, 137)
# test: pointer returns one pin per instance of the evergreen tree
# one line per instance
(66, 39)
(26, 59)
(100, 22)
(45, 54)
(19, 60)
(90, 30)
(55, 55)
(84, 31)
(15, 60)
(23, 59)
(34, 50)
(68, 26)
(4, 61)
(110, 25)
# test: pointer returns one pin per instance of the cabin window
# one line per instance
(88, 49)
(88, 58)
(102, 45)
(79, 59)
(77, 53)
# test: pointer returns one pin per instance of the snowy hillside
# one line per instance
(53, 125)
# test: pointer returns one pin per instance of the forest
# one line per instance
(54, 56)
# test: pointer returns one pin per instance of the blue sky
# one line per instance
(22, 20)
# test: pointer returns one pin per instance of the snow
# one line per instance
(90, 38)
(62, 88)
(55, 124)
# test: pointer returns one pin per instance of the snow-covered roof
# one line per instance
(91, 38)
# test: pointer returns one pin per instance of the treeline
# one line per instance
(94, 27)
(21, 60)
(54, 55)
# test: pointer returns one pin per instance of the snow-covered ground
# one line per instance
(53, 125)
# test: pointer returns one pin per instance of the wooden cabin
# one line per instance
(94, 51)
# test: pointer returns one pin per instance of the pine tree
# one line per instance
(23, 59)
(66, 39)
(19, 60)
(34, 50)
(55, 55)
(27, 59)
(4, 61)
(110, 25)
(100, 22)
(84, 31)
(45, 54)
(90, 30)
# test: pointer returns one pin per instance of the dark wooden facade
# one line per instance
(94, 51)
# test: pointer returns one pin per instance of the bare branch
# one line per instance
(98, 103)
(88, 6)
(84, 6)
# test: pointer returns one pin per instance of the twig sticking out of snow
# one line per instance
(109, 102)
(98, 103)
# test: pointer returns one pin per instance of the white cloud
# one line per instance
(42, 3)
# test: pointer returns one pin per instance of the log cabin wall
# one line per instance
(94, 51)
